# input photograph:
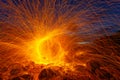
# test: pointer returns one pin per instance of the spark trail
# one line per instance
(59, 33)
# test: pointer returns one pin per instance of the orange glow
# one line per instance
(66, 39)
(47, 50)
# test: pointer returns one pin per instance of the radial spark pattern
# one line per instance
(59, 39)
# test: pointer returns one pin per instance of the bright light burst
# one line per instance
(58, 33)
(42, 32)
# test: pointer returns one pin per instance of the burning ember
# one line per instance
(59, 40)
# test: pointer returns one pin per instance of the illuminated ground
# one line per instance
(59, 40)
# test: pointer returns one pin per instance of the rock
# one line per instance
(4, 69)
(15, 68)
(27, 77)
(1, 78)
(14, 71)
(67, 78)
(46, 74)
(16, 78)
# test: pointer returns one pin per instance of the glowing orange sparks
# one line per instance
(47, 49)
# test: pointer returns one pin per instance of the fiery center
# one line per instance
(47, 50)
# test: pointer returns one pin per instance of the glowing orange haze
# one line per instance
(47, 36)
(47, 49)
(64, 34)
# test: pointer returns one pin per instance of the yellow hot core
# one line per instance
(46, 50)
